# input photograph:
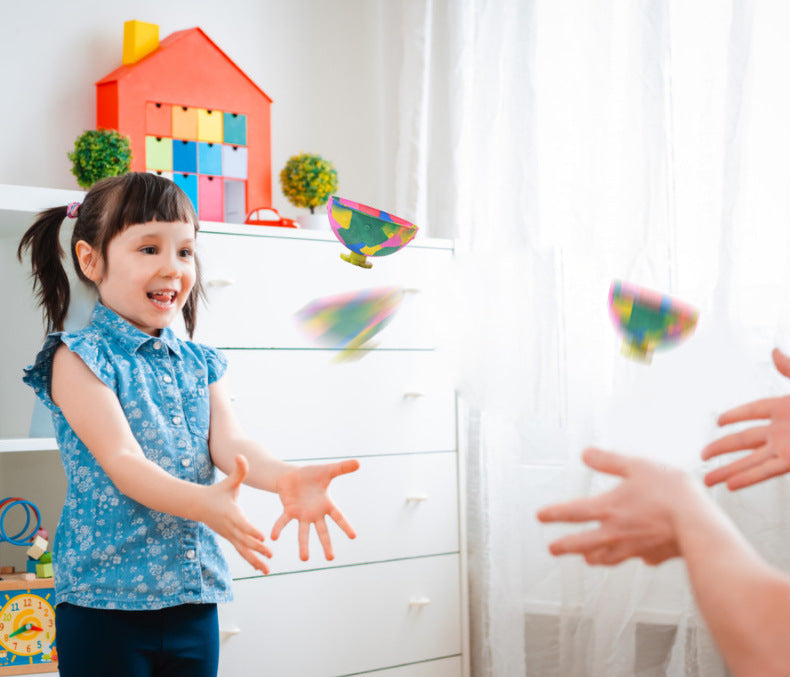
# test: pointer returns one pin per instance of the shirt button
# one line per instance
(176, 419)
(166, 378)
(190, 554)
(157, 345)
(185, 462)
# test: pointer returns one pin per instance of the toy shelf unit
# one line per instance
(399, 588)
(205, 153)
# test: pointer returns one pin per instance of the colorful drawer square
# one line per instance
(158, 119)
(158, 153)
(185, 156)
(210, 198)
(209, 125)
(234, 162)
(185, 122)
(235, 129)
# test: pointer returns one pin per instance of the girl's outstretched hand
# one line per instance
(769, 443)
(223, 514)
(304, 496)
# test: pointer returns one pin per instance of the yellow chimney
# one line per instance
(139, 40)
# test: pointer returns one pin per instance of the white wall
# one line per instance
(327, 64)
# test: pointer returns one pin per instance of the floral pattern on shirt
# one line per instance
(111, 552)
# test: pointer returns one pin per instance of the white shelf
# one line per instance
(13, 444)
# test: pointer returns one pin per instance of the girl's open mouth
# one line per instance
(162, 299)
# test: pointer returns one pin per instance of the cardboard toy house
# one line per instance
(194, 116)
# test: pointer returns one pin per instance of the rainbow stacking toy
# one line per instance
(366, 231)
(348, 321)
(648, 319)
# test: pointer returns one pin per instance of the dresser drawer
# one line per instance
(343, 621)
(255, 285)
(400, 506)
(301, 405)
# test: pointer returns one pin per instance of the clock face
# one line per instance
(27, 624)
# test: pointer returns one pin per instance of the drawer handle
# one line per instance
(413, 394)
(419, 602)
(410, 290)
(220, 282)
(229, 632)
(416, 498)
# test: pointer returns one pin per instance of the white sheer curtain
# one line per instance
(567, 143)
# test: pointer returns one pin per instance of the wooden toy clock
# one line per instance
(27, 626)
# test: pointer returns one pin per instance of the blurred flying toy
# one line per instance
(348, 321)
(648, 319)
(366, 231)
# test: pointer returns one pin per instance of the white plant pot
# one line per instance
(314, 221)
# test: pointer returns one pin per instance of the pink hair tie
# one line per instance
(71, 210)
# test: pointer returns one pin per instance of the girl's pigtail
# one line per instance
(50, 281)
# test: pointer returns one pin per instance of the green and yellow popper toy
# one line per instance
(648, 320)
(367, 231)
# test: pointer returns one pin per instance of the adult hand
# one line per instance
(769, 443)
(223, 514)
(635, 518)
(303, 493)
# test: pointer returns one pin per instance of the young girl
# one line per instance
(141, 420)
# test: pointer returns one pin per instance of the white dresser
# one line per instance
(393, 601)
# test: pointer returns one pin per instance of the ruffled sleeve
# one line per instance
(216, 361)
(39, 375)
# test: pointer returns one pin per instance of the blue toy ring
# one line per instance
(30, 510)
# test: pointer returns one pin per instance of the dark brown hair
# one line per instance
(109, 207)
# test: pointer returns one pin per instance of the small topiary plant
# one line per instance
(99, 153)
(308, 180)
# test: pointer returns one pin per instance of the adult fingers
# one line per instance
(341, 521)
(607, 461)
(745, 439)
(323, 536)
(736, 467)
(578, 510)
(771, 468)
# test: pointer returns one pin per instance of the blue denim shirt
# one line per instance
(111, 552)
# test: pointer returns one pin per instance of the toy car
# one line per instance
(268, 216)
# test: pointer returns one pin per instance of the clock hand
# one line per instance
(25, 628)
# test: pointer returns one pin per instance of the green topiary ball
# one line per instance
(99, 153)
(308, 180)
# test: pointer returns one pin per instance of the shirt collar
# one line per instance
(126, 334)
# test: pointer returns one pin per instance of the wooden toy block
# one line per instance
(44, 570)
(209, 125)
(139, 40)
(234, 162)
(210, 198)
(234, 129)
(4, 571)
(185, 123)
(31, 566)
(38, 548)
(158, 153)
(158, 119)
(210, 159)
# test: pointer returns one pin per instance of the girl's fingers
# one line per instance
(606, 461)
(736, 467)
(581, 543)
(341, 521)
(752, 411)
(323, 536)
(745, 439)
(343, 468)
(279, 525)
(578, 510)
(304, 537)
(770, 468)
(782, 362)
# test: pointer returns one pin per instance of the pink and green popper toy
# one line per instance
(648, 319)
(367, 231)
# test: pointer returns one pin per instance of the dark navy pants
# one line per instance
(179, 641)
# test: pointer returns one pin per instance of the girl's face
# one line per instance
(148, 275)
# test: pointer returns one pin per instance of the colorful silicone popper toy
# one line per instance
(349, 321)
(648, 319)
(367, 231)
